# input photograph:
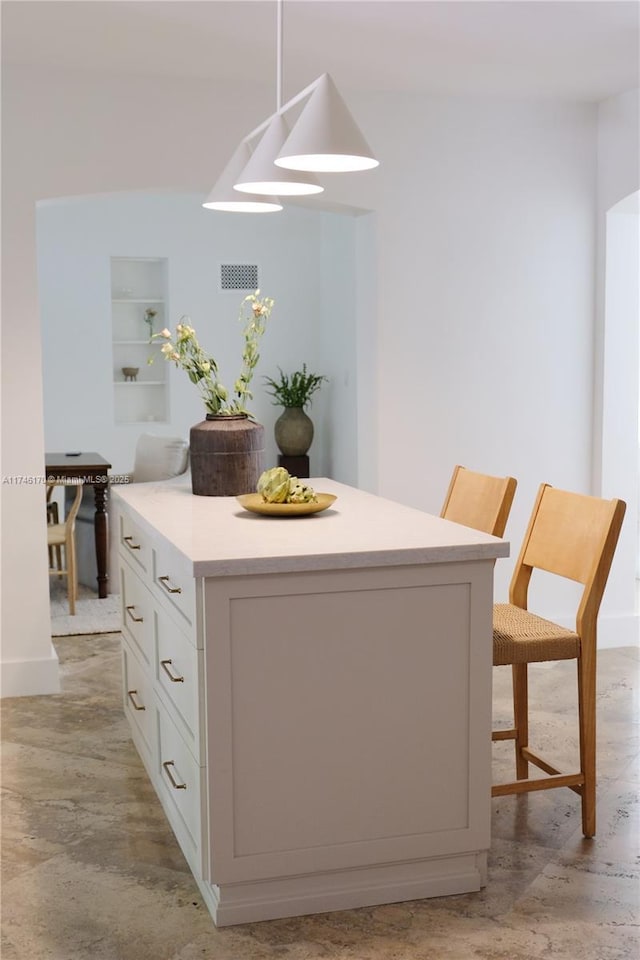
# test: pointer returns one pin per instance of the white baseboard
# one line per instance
(249, 902)
(30, 678)
(622, 631)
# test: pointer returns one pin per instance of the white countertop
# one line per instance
(219, 538)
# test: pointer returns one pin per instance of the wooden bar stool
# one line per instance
(573, 536)
(478, 500)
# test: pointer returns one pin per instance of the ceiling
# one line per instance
(519, 48)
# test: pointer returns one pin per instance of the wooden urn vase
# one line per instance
(227, 456)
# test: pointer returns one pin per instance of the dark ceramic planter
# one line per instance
(293, 432)
(227, 456)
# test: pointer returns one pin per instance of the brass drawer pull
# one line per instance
(132, 696)
(136, 619)
(129, 542)
(174, 783)
(165, 583)
(165, 664)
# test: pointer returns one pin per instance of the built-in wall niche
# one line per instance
(138, 308)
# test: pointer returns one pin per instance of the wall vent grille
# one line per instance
(239, 276)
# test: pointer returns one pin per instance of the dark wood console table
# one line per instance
(92, 469)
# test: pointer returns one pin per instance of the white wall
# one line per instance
(485, 235)
(76, 239)
(615, 452)
(481, 300)
(620, 460)
(338, 348)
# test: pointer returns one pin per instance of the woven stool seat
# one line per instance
(523, 637)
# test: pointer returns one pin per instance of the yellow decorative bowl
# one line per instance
(255, 504)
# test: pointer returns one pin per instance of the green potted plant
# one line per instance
(293, 428)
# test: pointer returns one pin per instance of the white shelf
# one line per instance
(138, 283)
(138, 383)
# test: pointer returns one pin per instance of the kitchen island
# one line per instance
(311, 697)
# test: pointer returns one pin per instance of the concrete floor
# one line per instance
(91, 870)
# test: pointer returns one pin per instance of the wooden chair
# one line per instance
(55, 553)
(63, 535)
(479, 501)
(573, 536)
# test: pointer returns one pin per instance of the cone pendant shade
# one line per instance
(326, 138)
(224, 197)
(261, 176)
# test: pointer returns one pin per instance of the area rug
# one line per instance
(92, 615)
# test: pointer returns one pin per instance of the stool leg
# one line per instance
(587, 714)
(72, 588)
(521, 716)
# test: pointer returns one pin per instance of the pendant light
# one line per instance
(326, 138)
(261, 176)
(224, 197)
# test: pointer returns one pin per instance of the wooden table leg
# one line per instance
(101, 528)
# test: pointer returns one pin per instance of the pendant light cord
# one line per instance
(279, 56)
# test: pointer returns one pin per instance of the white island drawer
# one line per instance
(177, 666)
(134, 544)
(138, 704)
(137, 612)
(180, 786)
(173, 581)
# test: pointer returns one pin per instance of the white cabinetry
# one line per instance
(162, 675)
(311, 698)
(138, 290)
